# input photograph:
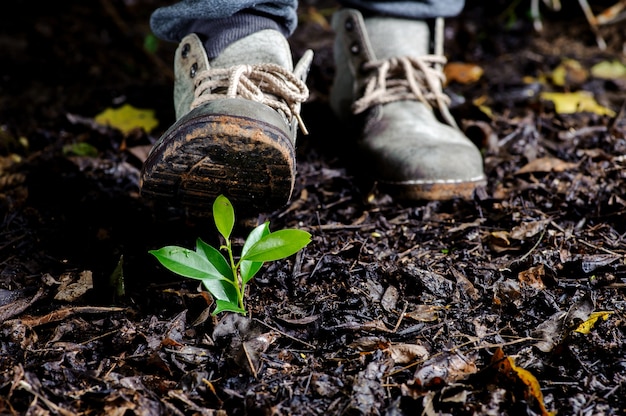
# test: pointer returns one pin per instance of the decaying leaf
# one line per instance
(533, 277)
(446, 368)
(549, 332)
(407, 353)
(370, 343)
(424, 313)
(547, 164)
(576, 102)
(520, 376)
(128, 118)
(528, 229)
(462, 72)
(73, 287)
(569, 72)
(500, 241)
(390, 299)
(586, 326)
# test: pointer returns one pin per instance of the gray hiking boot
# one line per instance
(387, 84)
(237, 119)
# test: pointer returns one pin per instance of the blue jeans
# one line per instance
(172, 22)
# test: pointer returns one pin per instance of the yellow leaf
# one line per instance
(576, 102)
(128, 118)
(514, 374)
(480, 104)
(568, 72)
(586, 326)
(609, 70)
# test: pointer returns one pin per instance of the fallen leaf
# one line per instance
(407, 353)
(533, 277)
(528, 229)
(518, 375)
(576, 102)
(71, 289)
(586, 326)
(547, 164)
(128, 118)
(609, 70)
(550, 332)
(569, 72)
(480, 104)
(424, 313)
(390, 299)
(463, 73)
(446, 369)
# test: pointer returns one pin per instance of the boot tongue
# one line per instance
(392, 37)
(266, 46)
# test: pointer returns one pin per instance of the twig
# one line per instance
(581, 241)
(534, 247)
(285, 334)
(61, 314)
(53, 407)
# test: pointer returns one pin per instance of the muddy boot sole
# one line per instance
(432, 191)
(250, 162)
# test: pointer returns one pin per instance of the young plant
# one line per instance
(224, 277)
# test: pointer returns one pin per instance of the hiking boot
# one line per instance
(388, 85)
(237, 119)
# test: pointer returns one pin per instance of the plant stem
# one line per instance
(235, 268)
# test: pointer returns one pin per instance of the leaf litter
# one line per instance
(510, 303)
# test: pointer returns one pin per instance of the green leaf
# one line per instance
(184, 262)
(80, 149)
(250, 268)
(215, 257)
(221, 289)
(188, 263)
(278, 245)
(225, 306)
(224, 216)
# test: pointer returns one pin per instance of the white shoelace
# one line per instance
(406, 78)
(269, 84)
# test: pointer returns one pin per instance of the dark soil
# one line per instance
(395, 308)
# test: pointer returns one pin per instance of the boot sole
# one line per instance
(250, 162)
(432, 191)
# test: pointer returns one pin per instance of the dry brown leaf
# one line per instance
(528, 229)
(424, 313)
(73, 288)
(407, 353)
(446, 369)
(547, 164)
(533, 277)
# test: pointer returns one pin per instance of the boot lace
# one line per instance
(406, 78)
(269, 84)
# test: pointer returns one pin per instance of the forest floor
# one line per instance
(511, 303)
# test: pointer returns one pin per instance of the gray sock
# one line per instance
(218, 34)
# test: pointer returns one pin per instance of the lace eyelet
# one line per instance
(185, 51)
(349, 24)
(355, 48)
(193, 70)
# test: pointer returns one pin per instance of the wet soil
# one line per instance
(510, 303)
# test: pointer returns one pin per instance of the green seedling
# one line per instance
(223, 276)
